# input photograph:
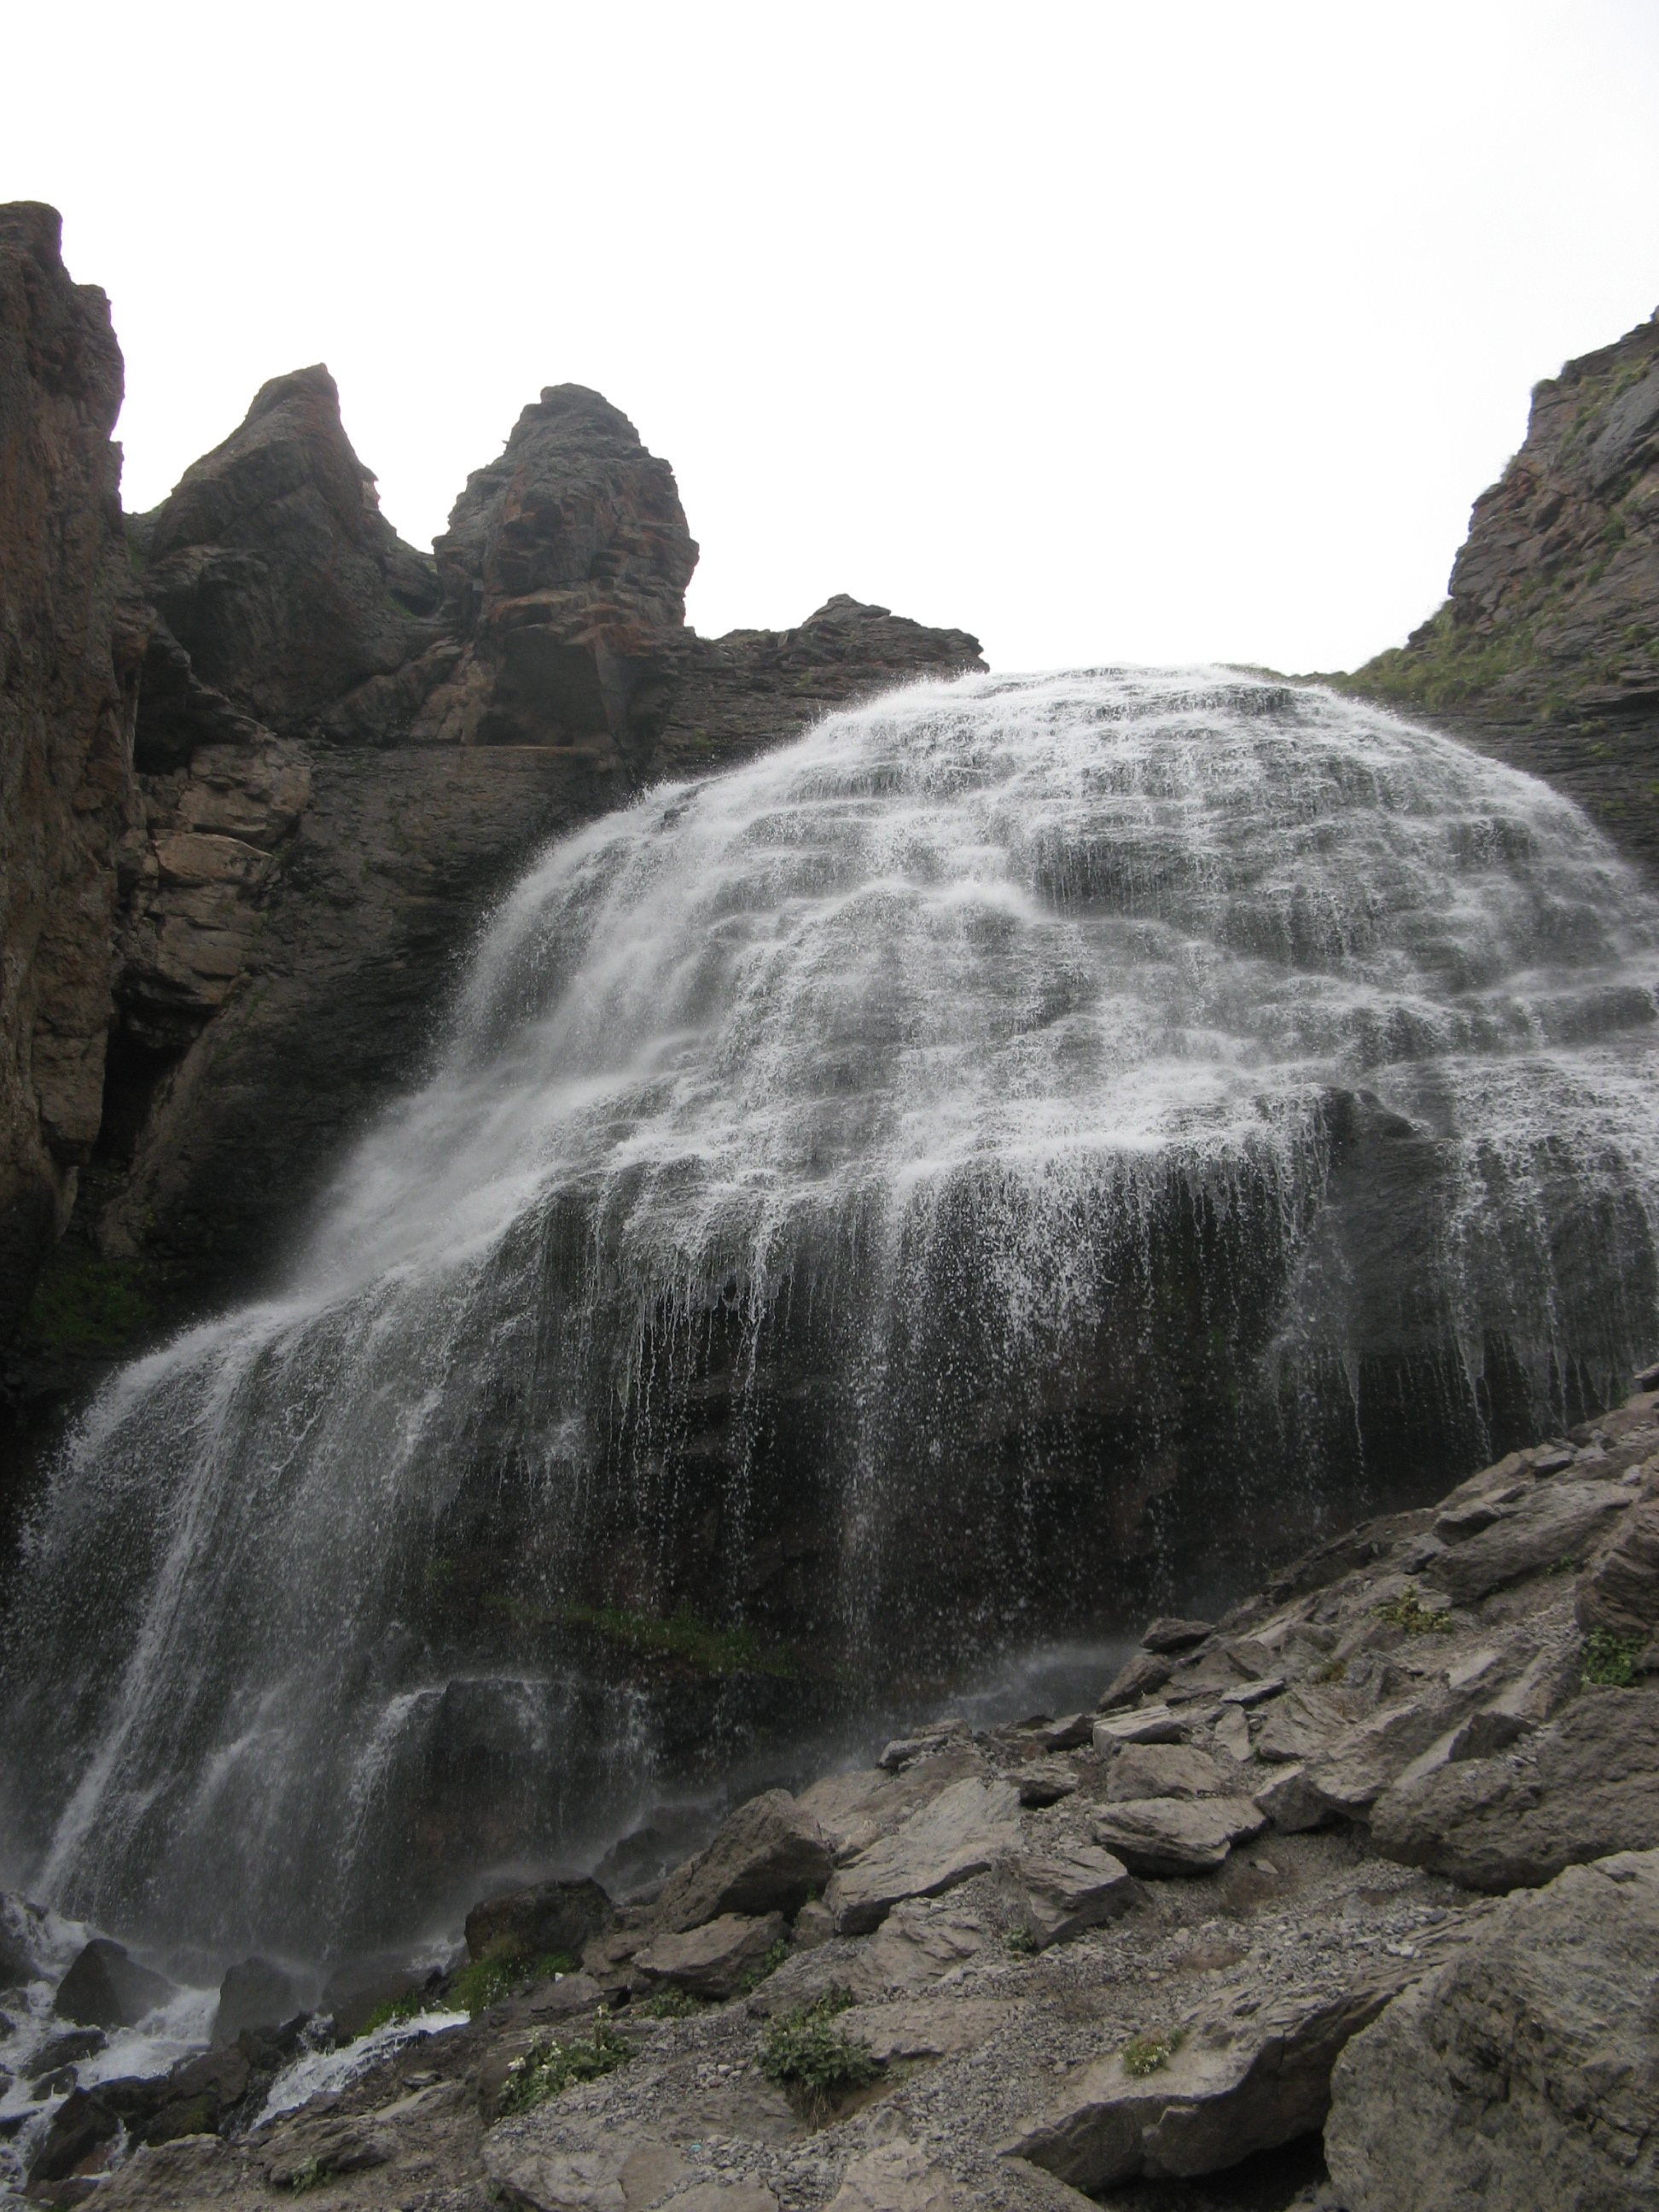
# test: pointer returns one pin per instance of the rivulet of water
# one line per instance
(1025, 1150)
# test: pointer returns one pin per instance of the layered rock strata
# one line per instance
(1546, 649)
(920, 1985)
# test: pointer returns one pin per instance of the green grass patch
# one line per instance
(553, 2063)
(1610, 1660)
(86, 1304)
(1408, 1612)
(395, 2008)
(671, 2004)
(764, 1967)
(1146, 2054)
(503, 1968)
(805, 2051)
(1020, 1943)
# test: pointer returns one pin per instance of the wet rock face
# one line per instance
(565, 566)
(1546, 650)
(68, 668)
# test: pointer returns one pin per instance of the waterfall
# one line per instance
(1026, 1151)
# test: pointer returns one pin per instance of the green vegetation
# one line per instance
(805, 2051)
(1020, 1943)
(311, 2175)
(395, 2008)
(503, 1968)
(671, 2004)
(1610, 1660)
(551, 2065)
(762, 1967)
(86, 1304)
(1407, 1612)
(684, 1636)
(1144, 2054)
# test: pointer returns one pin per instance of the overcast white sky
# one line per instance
(1141, 332)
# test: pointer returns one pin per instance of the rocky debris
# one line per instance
(855, 1810)
(1524, 2072)
(1178, 1835)
(105, 1988)
(1582, 1788)
(1210, 2099)
(965, 1830)
(1540, 1527)
(1547, 651)
(255, 1995)
(1066, 1887)
(538, 1919)
(896, 2177)
(69, 664)
(713, 1960)
(769, 1856)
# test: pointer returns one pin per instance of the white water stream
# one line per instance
(1025, 1148)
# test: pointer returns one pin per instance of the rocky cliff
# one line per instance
(68, 681)
(1547, 651)
(259, 798)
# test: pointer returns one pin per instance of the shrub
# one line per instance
(1144, 2054)
(1408, 1612)
(1610, 1660)
(804, 2051)
(551, 2065)
(671, 2004)
(394, 2009)
(769, 1965)
(503, 1968)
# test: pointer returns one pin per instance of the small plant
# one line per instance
(1145, 2054)
(805, 2051)
(1020, 1943)
(310, 2173)
(762, 1967)
(1610, 1660)
(1408, 1612)
(504, 1967)
(1334, 1670)
(395, 2008)
(671, 2004)
(551, 2065)
(1570, 1565)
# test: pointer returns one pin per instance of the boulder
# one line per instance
(1168, 1633)
(1065, 1887)
(1620, 1593)
(20, 1943)
(1044, 1782)
(256, 1994)
(769, 1856)
(1145, 1724)
(539, 1919)
(104, 1988)
(1525, 2072)
(321, 2143)
(1163, 1770)
(355, 1993)
(1301, 1725)
(1178, 1835)
(63, 2050)
(1230, 2088)
(713, 1960)
(199, 2091)
(1145, 1671)
(1363, 1761)
(1291, 1802)
(964, 1831)
(1585, 1785)
(920, 1941)
(1553, 1522)
(80, 2125)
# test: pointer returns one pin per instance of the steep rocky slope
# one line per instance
(259, 800)
(1349, 1901)
(1547, 651)
(68, 681)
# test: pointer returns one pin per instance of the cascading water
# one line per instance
(1026, 1151)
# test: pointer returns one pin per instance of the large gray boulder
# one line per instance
(104, 1988)
(1163, 1770)
(256, 1994)
(1067, 1887)
(771, 1857)
(1524, 2073)
(713, 1960)
(1550, 1524)
(1585, 1786)
(1176, 1835)
(965, 1830)
(1230, 2089)
(1620, 1593)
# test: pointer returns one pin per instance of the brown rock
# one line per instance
(1178, 1835)
(713, 1960)
(769, 1856)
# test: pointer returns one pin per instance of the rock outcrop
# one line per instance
(256, 800)
(68, 654)
(1547, 651)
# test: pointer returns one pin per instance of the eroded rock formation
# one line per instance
(257, 800)
(68, 679)
(1546, 650)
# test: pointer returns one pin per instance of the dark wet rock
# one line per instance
(64, 2050)
(80, 2124)
(200, 2092)
(538, 1919)
(256, 1995)
(1524, 2072)
(1230, 2088)
(355, 1991)
(769, 1856)
(1584, 1787)
(104, 1988)
(1176, 1835)
(714, 1959)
